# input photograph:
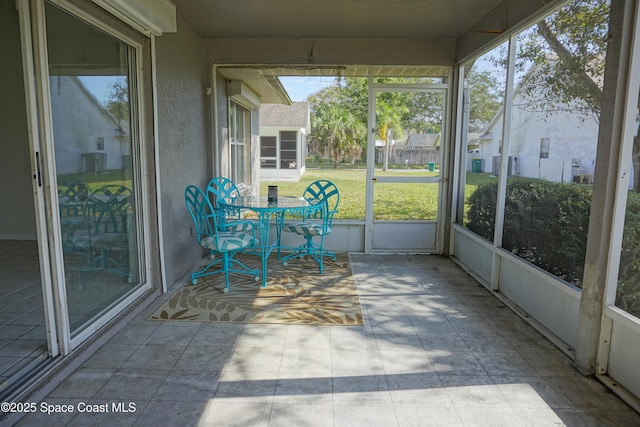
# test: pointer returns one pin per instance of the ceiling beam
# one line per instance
(278, 51)
(508, 17)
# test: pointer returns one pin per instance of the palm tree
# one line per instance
(338, 131)
(389, 122)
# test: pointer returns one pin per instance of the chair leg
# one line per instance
(320, 257)
(225, 268)
(206, 270)
(103, 261)
(227, 262)
(314, 250)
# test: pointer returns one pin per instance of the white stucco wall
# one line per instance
(184, 144)
(570, 138)
(573, 141)
(79, 121)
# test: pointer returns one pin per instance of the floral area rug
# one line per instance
(296, 294)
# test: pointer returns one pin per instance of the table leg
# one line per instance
(279, 226)
(264, 243)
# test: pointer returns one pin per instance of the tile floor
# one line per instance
(23, 339)
(436, 350)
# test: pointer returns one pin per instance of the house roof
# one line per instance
(423, 140)
(91, 97)
(268, 87)
(294, 115)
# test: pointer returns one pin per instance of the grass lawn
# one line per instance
(350, 182)
(392, 201)
(405, 201)
(95, 181)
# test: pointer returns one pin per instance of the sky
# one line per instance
(99, 86)
(299, 88)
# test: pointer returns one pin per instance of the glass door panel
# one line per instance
(408, 135)
(628, 285)
(405, 202)
(91, 83)
(408, 132)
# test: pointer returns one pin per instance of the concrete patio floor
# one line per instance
(437, 349)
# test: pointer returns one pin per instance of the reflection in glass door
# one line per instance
(405, 166)
(91, 86)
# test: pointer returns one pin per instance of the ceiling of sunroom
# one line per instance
(464, 25)
(361, 19)
(399, 38)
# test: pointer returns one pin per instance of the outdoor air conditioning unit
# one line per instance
(94, 162)
(495, 166)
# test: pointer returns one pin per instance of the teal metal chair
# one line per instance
(221, 188)
(317, 224)
(107, 237)
(72, 196)
(213, 235)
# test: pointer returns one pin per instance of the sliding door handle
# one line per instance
(38, 175)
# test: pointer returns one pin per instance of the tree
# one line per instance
(396, 112)
(389, 123)
(567, 55)
(338, 130)
(487, 98)
(424, 112)
(118, 102)
(337, 126)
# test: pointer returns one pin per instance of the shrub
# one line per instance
(545, 223)
(482, 210)
(628, 295)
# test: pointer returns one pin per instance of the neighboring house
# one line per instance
(474, 141)
(559, 147)
(283, 133)
(423, 140)
(101, 144)
(416, 149)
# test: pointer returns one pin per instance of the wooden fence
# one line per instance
(409, 156)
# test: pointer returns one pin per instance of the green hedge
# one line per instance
(546, 223)
(628, 295)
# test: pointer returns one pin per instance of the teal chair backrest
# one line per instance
(109, 209)
(201, 212)
(221, 188)
(326, 192)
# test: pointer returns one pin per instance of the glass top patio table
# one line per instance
(267, 209)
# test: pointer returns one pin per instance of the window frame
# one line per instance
(271, 162)
(239, 139)
(282, 151)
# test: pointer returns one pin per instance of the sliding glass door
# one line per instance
(92, 83)
(74, 226)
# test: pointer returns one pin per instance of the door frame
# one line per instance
(40, 122)
(371, 179)
(48, 271)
